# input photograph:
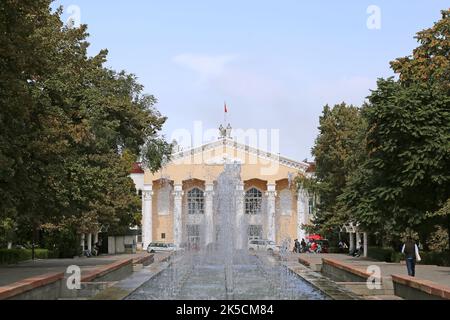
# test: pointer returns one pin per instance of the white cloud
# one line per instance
(206, 66)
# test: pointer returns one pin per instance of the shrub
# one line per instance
(334, 250)
(63, 243)
(390, 255)
(384, 254)
(438, 240)
(39, 253)
(436, 258)
(12, 256)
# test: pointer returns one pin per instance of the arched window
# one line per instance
(196, 201)
(253, 201)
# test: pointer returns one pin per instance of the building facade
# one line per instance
(178, 202)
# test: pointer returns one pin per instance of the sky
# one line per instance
(275, 63)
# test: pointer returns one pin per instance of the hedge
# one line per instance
(11, 256)
(435, 258)
(384, 254)
(335, 250)
(390, 255)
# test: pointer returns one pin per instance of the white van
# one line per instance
(262, 245)
(159, 246)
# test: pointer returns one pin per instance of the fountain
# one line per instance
(227, 187)
(224, 269)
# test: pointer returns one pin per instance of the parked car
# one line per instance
(263, 245)
(159, 246)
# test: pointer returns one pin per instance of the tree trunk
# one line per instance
(448, 233)
(33, 245)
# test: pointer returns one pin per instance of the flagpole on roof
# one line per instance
(225, 111)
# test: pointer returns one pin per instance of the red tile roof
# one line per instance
(312, 167)
(137, 168)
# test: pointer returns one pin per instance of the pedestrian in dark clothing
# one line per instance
(296, 246)
(411, 252)
(303, 246)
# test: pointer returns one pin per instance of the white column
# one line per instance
(147, 215)
(95, 237)
(271, 194)
(241, 229)
(352, 242)
(301, 214)
(82, 242)
(177, 214)
(358, 240)
(89, 242)
(209, 217)
(365, 244)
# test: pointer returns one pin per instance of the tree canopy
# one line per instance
(70, 127)
(395, 175)
(338, 151)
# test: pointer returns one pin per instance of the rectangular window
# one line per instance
(253, 201)
(163, 235)
(254, 232)
(193, 230)
(193, 236)
(196, 206)
(195, 201)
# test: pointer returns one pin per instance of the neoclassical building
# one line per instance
(178, 202)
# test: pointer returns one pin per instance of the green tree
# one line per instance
(338, 150)
(429, 62)
(406, 176)
(70, 127)
(407, 170)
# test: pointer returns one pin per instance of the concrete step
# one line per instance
(360, 288)
(384, 297)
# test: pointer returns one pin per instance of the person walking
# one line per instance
(296, 246)
(303, 245)
(411, 252)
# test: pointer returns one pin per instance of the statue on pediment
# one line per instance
(222, 131)
(228, 131)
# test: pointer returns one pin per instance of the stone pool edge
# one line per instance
(325, 285)
(124, 288)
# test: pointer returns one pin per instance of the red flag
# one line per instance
(225, 108)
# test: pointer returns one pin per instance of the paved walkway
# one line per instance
(439, 275)
(27, 269)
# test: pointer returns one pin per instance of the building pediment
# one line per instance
(227, 150)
